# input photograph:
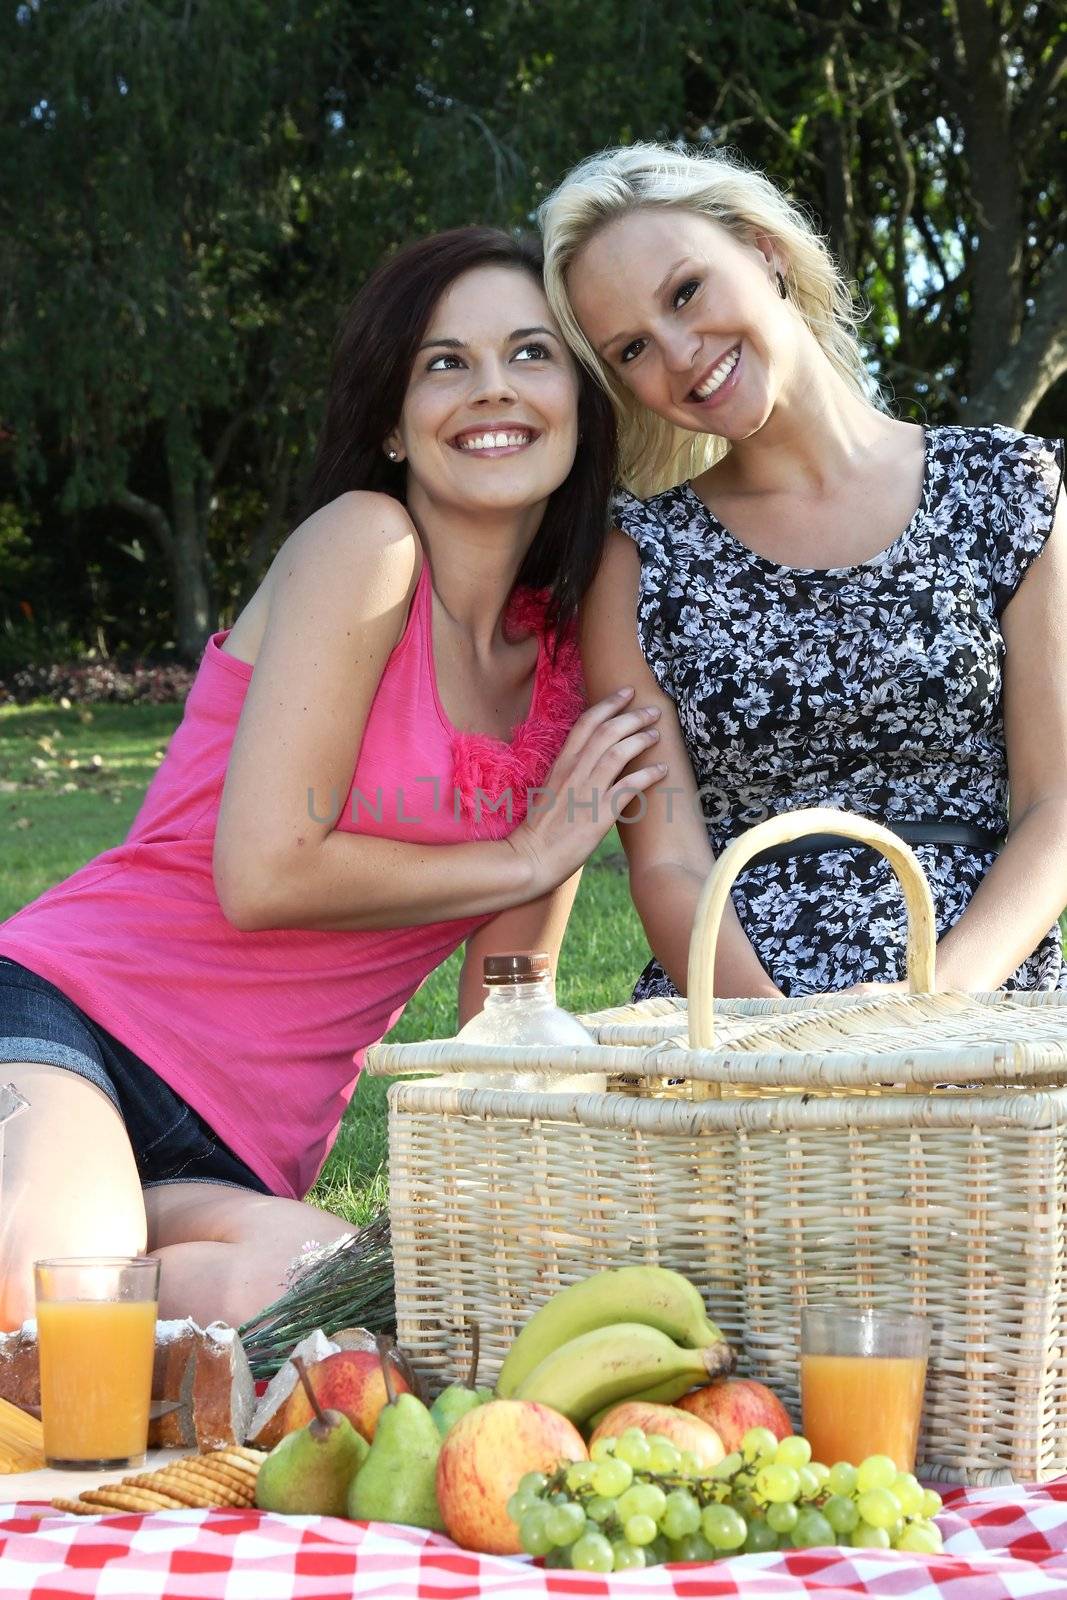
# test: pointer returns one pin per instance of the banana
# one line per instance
(662, 1394)
(608, 1364)
(648, 1294)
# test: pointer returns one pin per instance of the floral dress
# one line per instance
(877, 688)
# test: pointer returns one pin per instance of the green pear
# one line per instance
(459, 1398)
(310, 1470)
(397, 1481)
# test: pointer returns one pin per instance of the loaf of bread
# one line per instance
(203, 1392)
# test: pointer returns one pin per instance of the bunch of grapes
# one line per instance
(640, 1500)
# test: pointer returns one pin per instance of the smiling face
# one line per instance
(688, 318)
(490, 415)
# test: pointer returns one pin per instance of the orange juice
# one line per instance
(96, 1377)
(857, 1406)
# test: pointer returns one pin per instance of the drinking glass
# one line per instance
(96, 1328)
(862, 1375)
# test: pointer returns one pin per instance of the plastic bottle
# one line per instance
(520, 1009)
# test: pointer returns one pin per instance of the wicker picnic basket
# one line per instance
(903, 1153)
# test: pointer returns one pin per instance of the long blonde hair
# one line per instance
(653, 452)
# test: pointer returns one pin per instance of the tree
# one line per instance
(927, 138)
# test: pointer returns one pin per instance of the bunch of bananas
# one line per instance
(626, 1334)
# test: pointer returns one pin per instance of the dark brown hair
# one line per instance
(372, 365)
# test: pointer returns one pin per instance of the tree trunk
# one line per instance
(1037, 360)
(194, 612)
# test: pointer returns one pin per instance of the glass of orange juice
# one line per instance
(96, 1329)
(862, 1376)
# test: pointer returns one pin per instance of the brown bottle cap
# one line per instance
(520, 966)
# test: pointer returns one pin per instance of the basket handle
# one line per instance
(922, 933)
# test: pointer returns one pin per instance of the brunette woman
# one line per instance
(344, 803)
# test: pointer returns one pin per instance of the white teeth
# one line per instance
(718, 377)
(493, 441)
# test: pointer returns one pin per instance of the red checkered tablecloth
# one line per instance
(1000, 1544)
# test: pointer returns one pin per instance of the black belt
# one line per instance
(964, 833)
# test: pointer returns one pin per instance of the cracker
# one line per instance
(116, 1498)
(211, 1492)
(227, 1458)
(147, 1484)
(219, 1472)
(185, 1494)
(78, 1507)
(248, 1454)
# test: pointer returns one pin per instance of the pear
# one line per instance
(397, 1481)
(459, 1398)
(309, 1471)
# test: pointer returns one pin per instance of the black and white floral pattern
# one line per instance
(876, 688)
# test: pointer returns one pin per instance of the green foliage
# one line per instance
(190, 192)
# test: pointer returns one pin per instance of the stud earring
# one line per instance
(781, 286)
(391, 454)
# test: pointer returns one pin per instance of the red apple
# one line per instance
(484, 1455)
(349, 1381)
(687, 1432)
(733, 1405)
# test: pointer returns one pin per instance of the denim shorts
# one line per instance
(171, 1143)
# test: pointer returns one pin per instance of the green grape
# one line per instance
(681, 1514)
(626, 1557)
(746, 1503)
(689, 1466)
(642, 1500)
(657, 1552)
(921, 1538)
(723, 1527)
(663, 1456)
(869, 1538)
(728, 1466)
(782, 1518)
(877, 1472)
(579, 1472)
(896, 1530)
(600, 1508)
(760, 1537)
(592, 1553)
(694, 1547)
(812, 1529)
(565, 1523)
(632, 1447)
(841, 1513)
(759, 1442)
(611, 1477)
(516, 1505)
(533, 1533)
(820, 1471)
(792, 1451)
(879, 1507)
(909, 1491)
(558, 1558)
(809, 1483)
(932, 1503)
(531, 1484)
(639, 1529)
(777, 1483)
(602, 1449)
(842, 1479)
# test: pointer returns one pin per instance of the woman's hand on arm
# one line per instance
(664, 837)
(339, 604)
(540, 925)
(1025, 890)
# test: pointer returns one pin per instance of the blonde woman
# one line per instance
(831, 607)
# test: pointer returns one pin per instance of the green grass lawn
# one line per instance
(71, 781)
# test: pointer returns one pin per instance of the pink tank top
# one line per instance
(263, 1032)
